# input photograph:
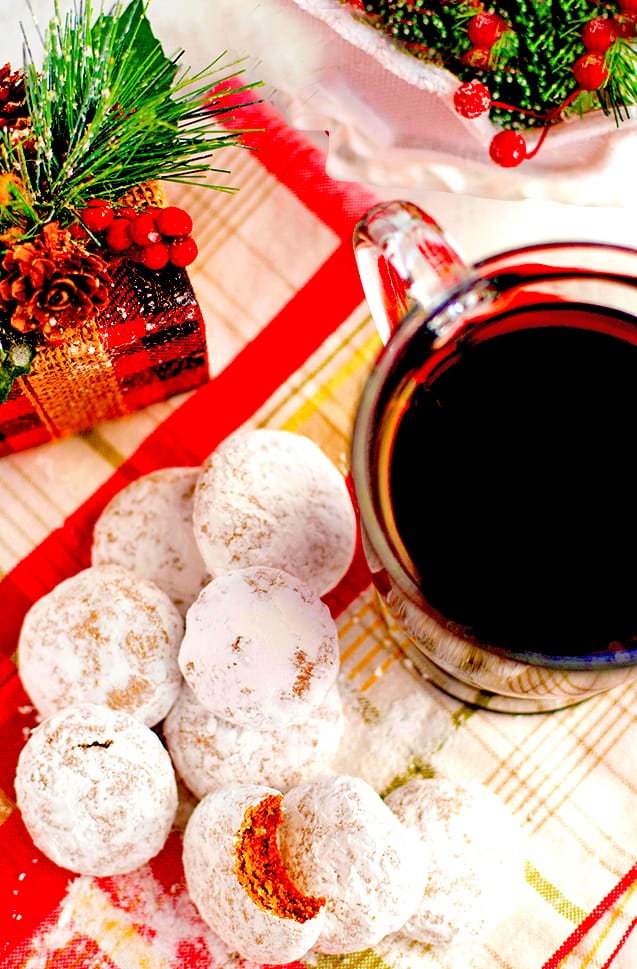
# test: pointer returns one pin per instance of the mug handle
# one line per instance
(403, 259)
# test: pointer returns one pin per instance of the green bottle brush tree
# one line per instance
(529, 63)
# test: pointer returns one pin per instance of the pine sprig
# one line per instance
(17, 205)
(109, 110)
(504, 49)
(620, 90)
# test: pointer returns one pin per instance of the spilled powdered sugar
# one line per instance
(380, 744)
(172, 931)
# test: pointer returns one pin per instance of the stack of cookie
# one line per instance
(200, 622)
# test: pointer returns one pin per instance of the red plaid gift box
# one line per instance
(146, 345)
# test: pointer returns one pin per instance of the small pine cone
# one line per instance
(14, 112)
(52, 284)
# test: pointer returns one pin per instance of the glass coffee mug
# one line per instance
(493, 461)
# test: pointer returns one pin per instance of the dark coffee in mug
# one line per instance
(510, 486)
(492, 461)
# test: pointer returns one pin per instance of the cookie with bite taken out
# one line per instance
(340, 840)
(236, 880)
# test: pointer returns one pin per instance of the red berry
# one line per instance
(599, 33)
(118, 235)
(628, 6)
(155, 256)
(126, 212)
(97, 215)
(477, 57)
(97, 203)
(590, 71)
(472, 99)
(485, 28)
(173, 221)
(183, 252)
(77, 231)
(508, 149)
(143, 230)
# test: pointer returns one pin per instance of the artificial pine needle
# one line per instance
(106, 112)
(109, 109)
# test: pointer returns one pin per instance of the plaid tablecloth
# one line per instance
(291, 343)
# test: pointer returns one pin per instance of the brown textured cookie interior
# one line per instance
(259, 868)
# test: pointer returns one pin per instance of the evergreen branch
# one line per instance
(110, 110)
(619, 93)
(535, 79)
(504, 49)
(17, 200)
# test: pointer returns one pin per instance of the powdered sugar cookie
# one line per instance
(236, 880)
(102, 636)
(339, 839)
(147, 528)
(96, 790)
(260, 650)
(209, 753)
(268, 497)
(474, 857)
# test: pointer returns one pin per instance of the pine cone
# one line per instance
(52, 284)
(14, 112)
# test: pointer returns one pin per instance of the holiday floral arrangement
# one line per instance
(86, 141)
(526, 64)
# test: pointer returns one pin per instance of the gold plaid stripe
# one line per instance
(360, 960)
(553, 896)
(367, 650)
(320, 399)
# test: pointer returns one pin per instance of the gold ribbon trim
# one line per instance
(73, 386)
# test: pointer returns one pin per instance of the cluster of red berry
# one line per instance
(508, 148)
(152, 236)
(484, 29)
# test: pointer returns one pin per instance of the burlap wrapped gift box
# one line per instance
(147, 344)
